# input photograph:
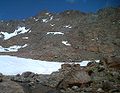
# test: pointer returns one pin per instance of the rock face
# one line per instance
(87, 35)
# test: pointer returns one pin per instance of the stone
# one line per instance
(88, 89)
(53, 91)
(8, 86)
(27, 74)
(75, 87)
(111, 62)
(1, 79)
(63, 91)
(75, 76)
(100, 90)
(114, 90)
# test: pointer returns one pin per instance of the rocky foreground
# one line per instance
(103, 77)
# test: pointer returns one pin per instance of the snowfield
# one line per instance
(11, 65)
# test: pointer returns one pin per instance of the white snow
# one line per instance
(20, 30)
(47, 19)
(10, 65)
(67, 26)
(55, 33)
(7, 24)
(51, 18)
(52, 24)
(13, 65)
(14, 48)
(66, 43)
(84, 63)
(47, 13)
(24, 37)
(35, 19)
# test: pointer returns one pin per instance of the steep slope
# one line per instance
(67, 36)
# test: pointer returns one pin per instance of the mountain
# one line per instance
(67, 36)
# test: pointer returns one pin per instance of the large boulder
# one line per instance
(8, 86)
(69, 75)
(111, 62)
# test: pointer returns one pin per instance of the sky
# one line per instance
(19, 9)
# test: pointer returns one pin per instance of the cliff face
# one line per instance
(67, 36)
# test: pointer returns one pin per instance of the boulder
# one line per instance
(27, 74)
(111, 62)
(10, 87)
(69, 75)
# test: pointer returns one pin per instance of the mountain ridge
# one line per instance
(89, 35)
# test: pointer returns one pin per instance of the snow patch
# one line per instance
(52, 24)
(14, 48)
(10, 65)
(55, 33)
(51, 18)
(85, 63)
(67, 26)
(14, 65)
(7, 24)
(47, 19)
(35, 19)
(47, 13)
(20, 30)
(66, 43)
(24, 37)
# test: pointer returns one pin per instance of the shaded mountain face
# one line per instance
(67, 36)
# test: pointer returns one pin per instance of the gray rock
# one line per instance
(10, 87)
(75, 87)
(100, 90)
(27, 74)
(114, 90)
(1, 79)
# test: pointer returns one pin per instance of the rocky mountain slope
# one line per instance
(67, 36)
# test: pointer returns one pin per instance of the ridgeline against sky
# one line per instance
(18, 9)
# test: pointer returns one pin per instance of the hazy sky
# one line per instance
(17, 9)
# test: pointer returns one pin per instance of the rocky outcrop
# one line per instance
(73, 75)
